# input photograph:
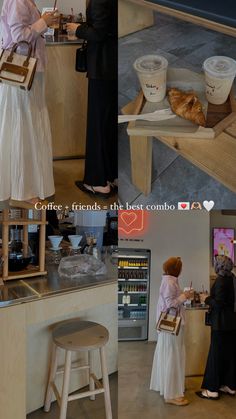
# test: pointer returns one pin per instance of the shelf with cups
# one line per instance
(59, 248)
(16, 255)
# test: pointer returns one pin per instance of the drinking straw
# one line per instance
(191, 285)
(55, 4)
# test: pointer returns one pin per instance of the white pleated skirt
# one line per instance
(168, 369)
(26, 169)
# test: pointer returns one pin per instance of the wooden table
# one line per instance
(215, 156)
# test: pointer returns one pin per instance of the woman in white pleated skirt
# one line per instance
(168, 370)
(26, 170)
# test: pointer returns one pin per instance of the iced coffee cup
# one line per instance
(219, 76)
(151, 71)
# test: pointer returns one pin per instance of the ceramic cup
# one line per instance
(55, 241)
(75, 240)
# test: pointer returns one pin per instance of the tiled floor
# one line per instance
(174, 178)
(84, 408)
(136, 400)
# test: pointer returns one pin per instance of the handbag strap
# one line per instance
(14, 48)
(177, 312)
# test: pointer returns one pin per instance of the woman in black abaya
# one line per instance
(220, 373)
(100, 31)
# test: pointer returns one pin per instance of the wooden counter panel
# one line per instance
(26, 343)
(197, 342)
(66, 94)
(13, 363)
(95, 304)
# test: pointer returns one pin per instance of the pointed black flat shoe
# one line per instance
(202, 396)
(114, 187)
(92, 192)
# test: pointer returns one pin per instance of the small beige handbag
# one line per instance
(169, 323)
(17, 69)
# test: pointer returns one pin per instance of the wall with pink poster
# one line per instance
(223, 242)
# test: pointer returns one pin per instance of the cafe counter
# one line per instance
(197, 341)
(28, 309)
(66, 95)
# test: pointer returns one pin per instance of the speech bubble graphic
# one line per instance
(131, 221)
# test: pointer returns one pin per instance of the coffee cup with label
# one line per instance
(151, 71)
(220, 72)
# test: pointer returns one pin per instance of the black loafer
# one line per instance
(91, 191)
(202, 396)
(114, 187)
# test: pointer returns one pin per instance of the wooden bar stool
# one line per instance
(74, 336)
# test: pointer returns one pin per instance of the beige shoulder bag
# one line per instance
(168, 322)
(17, 69)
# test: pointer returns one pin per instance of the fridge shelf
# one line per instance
(133, 267)
(132, 292)
(132, 305)
(132, 280)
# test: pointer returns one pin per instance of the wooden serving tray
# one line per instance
(218, 117)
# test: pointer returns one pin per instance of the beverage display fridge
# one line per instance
(133, 293)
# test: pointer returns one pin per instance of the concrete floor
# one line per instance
(84, 408)
(136, 400)
(174, 178)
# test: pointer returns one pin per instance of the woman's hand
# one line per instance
(189, 294)
(50, 18)
(72, 28)
(203, 297)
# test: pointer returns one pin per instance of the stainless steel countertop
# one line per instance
(33, 289)
(61, 40)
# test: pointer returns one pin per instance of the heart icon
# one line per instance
(128, 217)
(208, 205)
(183, 205)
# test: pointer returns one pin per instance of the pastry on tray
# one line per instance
(187, 105)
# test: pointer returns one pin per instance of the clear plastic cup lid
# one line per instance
(150, 63)
(220, 66)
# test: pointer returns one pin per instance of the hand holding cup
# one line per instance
(189, 293)
(50, 18)
(72, 28)
(203, 296)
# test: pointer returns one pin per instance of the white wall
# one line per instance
(177, 233)
(63, 5)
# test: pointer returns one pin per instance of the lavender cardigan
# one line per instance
(170, 296)
(21, 21)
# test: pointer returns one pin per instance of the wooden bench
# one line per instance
(135, 15)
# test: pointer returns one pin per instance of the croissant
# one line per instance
(186, 105)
